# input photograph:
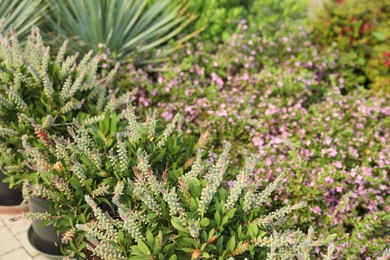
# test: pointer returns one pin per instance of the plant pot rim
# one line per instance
(32, 239)
(14, 210)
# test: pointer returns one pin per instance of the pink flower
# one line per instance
(332, 152)
(167, 115)
(268, 162)
(328, 180)
(257, 141)
(339, 165)
(316, 210)
(327, 141)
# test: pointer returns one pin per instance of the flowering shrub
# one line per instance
(338, 151)
(361, 30)
(40, 95)
(224, 81)
(151, 194)
(284, 99)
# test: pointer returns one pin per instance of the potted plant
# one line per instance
(41, 96)
(139, 190)
(10, 199)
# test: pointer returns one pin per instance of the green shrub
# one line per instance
(40, 95)
(127, 29)
(361, 30)
(273, 13)
(152, 195)
(297, 105)
(218, 18)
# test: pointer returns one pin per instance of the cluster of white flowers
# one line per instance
(240, 182)
(214, 179)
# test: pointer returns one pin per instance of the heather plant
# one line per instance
(40, 96)
(129, 189)
(94, 159)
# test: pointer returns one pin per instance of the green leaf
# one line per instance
(114, 122)
(149, 237)
(176, 224)
(187, 249)
(143, 247)
(380, 36)
(193, 205)
(189, 242)
(217, 218)
(205, 222)
(220, 244)
(230, 213)
(252, 230)
(160, 156)
(173, 257)
(106, 123)
(168, 247)
(211, 234)
(138, 257)
(231, 244)
(239, 231)
(120, 235)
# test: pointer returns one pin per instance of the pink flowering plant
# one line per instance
(298, 106)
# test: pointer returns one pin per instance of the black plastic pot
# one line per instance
(9, 197)
(43, 238)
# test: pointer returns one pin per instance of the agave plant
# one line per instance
(125, 27)
(20, 15)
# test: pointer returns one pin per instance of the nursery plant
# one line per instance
(361, 30)
(218, 18)
(299, 107)
(129, 189)
(39, 96)
(127, 29)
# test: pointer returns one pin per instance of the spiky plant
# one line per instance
(20, 15)
(40, 96)
(128, 28)
(126, 189)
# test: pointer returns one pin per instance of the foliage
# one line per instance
(234, 73)
(20, 15)
(274, 13)
(361, 29)
(218, 18)
(129, 29)
(41, 95)
(150, 193)
(299, 107)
